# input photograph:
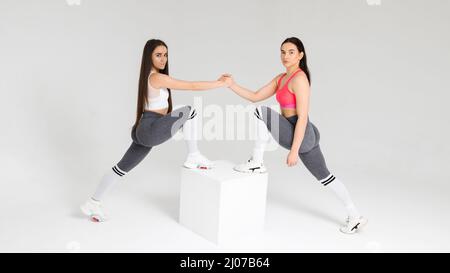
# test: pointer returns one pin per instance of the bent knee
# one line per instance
(181, 111)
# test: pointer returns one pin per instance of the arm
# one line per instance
(158, 80)
(300, 86)
(263, 93)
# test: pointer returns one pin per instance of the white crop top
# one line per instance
(158, 102)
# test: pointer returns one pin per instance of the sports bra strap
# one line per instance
(293, 74)
(281, 78)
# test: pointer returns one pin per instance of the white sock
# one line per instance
(342, 193)
(190, 135)
(262, 138)
(108, 180)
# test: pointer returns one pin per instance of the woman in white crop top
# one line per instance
(157, 99)
(155, 122)
(157, 84)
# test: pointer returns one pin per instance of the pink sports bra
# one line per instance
(284, 96)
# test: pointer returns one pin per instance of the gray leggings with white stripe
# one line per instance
(282, 129)
(153, 129)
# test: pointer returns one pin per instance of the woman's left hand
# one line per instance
(292, 159)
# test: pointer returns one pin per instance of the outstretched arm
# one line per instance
(158, 80)
(263, 93)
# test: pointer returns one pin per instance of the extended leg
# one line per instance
(314, 161)
(132, 157)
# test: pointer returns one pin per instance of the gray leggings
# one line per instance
(282, 129)
(152, 130)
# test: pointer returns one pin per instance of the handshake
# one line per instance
(227, 80)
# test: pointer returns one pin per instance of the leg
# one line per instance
(262, 136)
(190, 133)
(162, 128)
(133, 156)
(279, 126)
(150, 131)
(156, 131)
(267, 120)
(283, 129)
(194, 160)
(315, 163)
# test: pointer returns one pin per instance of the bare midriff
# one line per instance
(159, 111)
(288, 112)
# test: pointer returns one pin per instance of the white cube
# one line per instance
(223, 205)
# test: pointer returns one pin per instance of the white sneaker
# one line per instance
(353, 225)
(251, 166)
(198, 161)
(94, 210)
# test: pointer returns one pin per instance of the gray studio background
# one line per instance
(69, 74)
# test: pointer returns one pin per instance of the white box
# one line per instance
(221, 204)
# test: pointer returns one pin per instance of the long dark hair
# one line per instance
(146, 66)
(303, 63)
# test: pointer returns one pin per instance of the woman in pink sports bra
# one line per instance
(292, 128)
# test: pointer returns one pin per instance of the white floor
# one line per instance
(301, 216)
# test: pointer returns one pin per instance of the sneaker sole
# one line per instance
(250, 171)
(97, 219)
(360, 226)
(92, 217)
(195, 166)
